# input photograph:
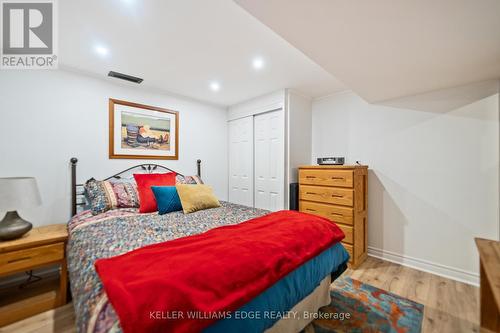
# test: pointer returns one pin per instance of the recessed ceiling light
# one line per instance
(258, 63)
(101, 50)
(214, 86)
(130, 7)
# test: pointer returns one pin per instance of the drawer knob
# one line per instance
(337, 196)
(310, 209)
(309, 177)
(337, 178)
(313, 193)
(337, 214)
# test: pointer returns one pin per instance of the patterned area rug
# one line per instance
(358, 308)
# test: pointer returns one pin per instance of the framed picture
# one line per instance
(139, 131)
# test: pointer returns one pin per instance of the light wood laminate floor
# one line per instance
(450, 306)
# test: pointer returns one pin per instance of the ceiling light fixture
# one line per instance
(101, 50)
(258, 63)
(214, 86)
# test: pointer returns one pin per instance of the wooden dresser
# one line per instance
(340, 194)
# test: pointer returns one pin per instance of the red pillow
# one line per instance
(147, 201)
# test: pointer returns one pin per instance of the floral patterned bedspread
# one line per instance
(121, 230)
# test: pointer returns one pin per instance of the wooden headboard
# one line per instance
(78, 198)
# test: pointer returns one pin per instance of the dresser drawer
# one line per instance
(341, 178)
(349, 250)
(334, 213)
(348, 231)
(16, 261)
(331, 195)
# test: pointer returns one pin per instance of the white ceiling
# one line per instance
(180, 46)
(386, 49)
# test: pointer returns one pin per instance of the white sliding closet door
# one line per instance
(241, 161)
(269, 160)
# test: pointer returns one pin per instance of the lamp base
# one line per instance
(13, 226)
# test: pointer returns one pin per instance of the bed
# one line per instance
(118, 231)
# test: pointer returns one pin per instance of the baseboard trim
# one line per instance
(426, 266)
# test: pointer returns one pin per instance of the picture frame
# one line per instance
(138, 131)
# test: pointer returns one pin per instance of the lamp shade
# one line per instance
(18, 192)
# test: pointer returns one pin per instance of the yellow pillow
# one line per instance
(196, 197)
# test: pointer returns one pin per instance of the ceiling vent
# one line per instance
(125, 77)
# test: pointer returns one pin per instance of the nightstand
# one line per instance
(41, 247)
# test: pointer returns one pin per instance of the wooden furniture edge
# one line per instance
(60, 231)
(481, 243)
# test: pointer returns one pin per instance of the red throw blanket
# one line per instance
(158, 288)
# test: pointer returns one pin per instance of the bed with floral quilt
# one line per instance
(102, 237)
(119, 231)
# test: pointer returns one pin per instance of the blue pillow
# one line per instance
(167, 199)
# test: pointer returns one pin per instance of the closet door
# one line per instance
(269, 160)
(241, 161)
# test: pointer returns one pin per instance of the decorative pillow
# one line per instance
(196, 197)
(167, 199)
(126, 193)
(188, 180)
(101, 196)
(147, 201)
(104, 195)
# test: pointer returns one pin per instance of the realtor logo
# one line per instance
(28, 34)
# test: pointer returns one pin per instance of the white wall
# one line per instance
(47, 117)
(257, 105)
(298, 132)
(433, 178)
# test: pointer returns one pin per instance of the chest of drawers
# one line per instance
(340, 194)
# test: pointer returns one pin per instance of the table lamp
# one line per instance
(16, 193)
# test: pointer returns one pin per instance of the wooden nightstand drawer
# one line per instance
(17, 261)
(331, 195)
(342, 178)
(333, 213)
